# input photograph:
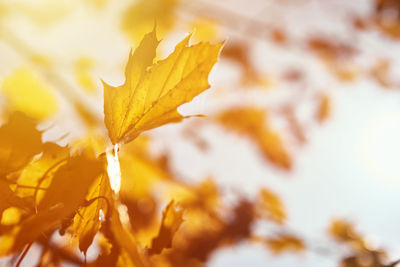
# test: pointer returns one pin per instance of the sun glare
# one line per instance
(381, 148)
(113, 169)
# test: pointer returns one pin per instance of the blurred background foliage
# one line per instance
(290, 70)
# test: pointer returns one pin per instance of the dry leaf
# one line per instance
(88, 222)
(170, 223)
(66, 193)
(19, 142)
(252, 122)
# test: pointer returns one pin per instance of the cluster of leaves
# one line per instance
(47, 188)
(362, 253)
(120, 200)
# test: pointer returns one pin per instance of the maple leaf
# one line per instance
(123, 240)
(64, 196)
(204, 196)
(38, 173)
(344, 232)
(19, 142)
(87, 223)
(251, 122)
(170, 223)
(152, 93)
(142, 212)
(199, 245)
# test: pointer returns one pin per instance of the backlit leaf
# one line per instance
(19, 142)
(38, 173)
(152, 92)
(65, 195)
(87, 223)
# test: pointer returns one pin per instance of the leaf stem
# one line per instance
(113, 168)
(21, 258)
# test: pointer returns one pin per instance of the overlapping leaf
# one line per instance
(8, 198)
(88, 222)
(65, 195)
(170, 223)
(19, 142)
(36, 176)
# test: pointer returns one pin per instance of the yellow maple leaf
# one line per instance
(38, 174)
(87, 222)
(65, 194)
(152, 93)
(123, 240)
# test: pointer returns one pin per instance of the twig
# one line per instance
(393, 264)
(21, 258)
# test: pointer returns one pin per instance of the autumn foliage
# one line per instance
(106, 199)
